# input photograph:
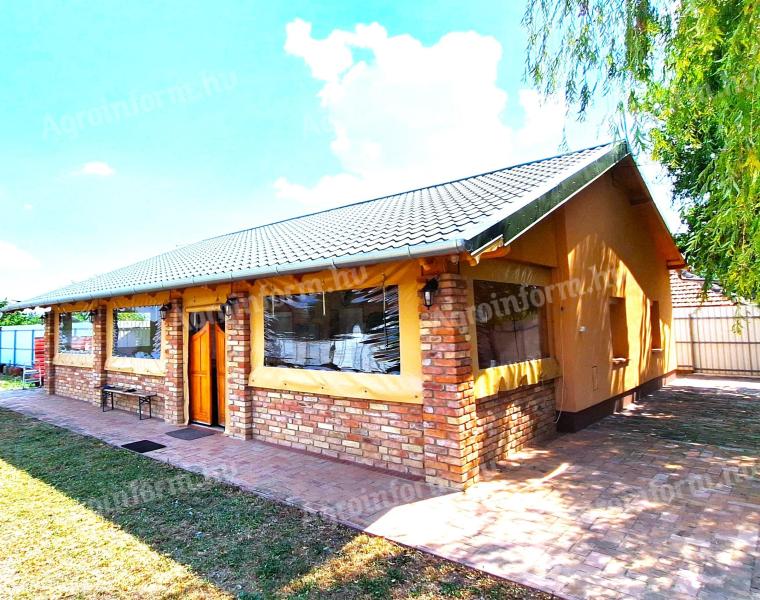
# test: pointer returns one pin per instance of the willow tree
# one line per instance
(685, 78)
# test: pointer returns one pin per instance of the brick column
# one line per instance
(174, 397)
(99, 352)
(239, 397)
(49, 352)
(451, 458)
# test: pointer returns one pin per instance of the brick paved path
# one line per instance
(658, 502)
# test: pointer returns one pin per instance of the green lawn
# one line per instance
(10, 383)
(68, 529)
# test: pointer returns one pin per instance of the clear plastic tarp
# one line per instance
(353, 330)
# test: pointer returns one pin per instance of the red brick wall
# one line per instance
(49, 338)
(84, 383)
(239, 396)
(75, 382)
(386, 435)
(512, 420)
(173, 397)
(99, 349)
(447, 376)
(147, 383)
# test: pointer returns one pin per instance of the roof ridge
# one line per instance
(417, 189)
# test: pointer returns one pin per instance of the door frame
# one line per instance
(186, 311)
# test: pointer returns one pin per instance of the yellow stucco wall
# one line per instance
(600, 232)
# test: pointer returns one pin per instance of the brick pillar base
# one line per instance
(449, 403)
(239, 396)
(174, 397)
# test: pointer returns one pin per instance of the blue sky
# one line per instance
(129, 128)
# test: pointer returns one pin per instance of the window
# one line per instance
(618, 328)
(654, 324)
(137, 332)
(74, 333)
(510, 323)
(353, 331)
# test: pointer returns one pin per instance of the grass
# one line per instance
(81, 519)
(11, 383)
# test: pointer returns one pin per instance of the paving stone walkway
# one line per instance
(662, 501)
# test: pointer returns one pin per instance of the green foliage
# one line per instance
(125, 315)
(688, 74)
(17, 318)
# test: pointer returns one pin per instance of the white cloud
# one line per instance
(413, 115)
(28, 207)
(13, 258)
(16, 267)
(97, 168)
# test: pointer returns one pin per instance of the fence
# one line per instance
(17, 342)
(718, 340)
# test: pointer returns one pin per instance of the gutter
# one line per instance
(439, 248)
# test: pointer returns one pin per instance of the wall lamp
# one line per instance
(164, 311)
(91, 315)
(228, 307)
(428, 291)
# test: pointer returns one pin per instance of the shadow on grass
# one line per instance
(243, 545)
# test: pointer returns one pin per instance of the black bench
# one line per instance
(107, 392)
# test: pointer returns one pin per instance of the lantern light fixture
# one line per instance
(428, 291)
(164, 310)
(228, 307)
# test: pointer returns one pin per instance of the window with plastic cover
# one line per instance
(352, 331)
(510, 323)
(74, 333)
(137, 332)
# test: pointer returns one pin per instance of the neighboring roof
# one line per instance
(462, 215)
(686, 291)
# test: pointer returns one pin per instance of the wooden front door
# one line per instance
(200, 375)
(221, 385)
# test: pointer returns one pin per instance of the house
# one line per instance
(714, 334)
(687, 291)
(426, 333)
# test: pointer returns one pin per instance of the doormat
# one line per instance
(143, 446)
(189, 433)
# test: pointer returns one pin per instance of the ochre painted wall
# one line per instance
(610, 250)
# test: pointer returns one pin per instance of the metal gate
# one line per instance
(718, 340)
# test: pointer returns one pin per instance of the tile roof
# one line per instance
(686, 291)
(431, 220)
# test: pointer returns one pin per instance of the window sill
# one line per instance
(366, 386)
(620, 362)
(491, 381)
(84, 361)
(138, 366)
